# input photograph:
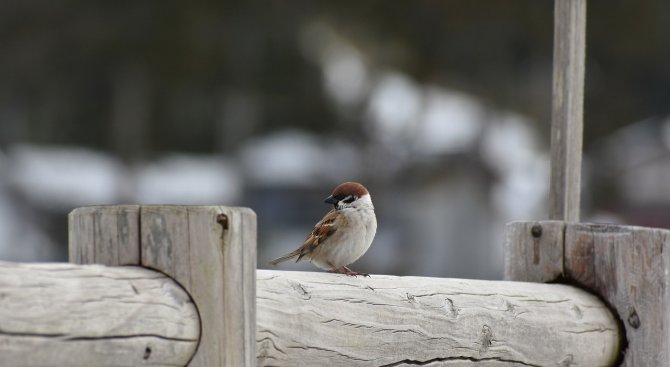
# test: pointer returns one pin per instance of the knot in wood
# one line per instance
(451, 309)
(485, 338)
(633, 319)
(222, 219)
(147, 352)
(304, 294)
(568, 361)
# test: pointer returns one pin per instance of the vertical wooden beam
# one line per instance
(629, 268)
(209, 250)
(567, 109)
(534, 251)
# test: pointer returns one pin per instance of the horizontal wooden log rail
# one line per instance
(72, 315)
(321, 319)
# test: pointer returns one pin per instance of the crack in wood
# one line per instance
(328, 350)
(603, 330)
(449, 359)
(93, 338)
(31, 335)
(108, 337)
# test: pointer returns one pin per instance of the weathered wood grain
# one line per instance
(321, 319)
(107, 235)
(72, 315)
(629, 267)
(567, 109)
(211, 251)
(534, 251)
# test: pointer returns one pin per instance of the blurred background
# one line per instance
(441, 107)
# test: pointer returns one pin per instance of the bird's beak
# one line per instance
(330, 200)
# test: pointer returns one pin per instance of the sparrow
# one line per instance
(343, 235)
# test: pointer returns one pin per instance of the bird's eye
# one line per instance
(349, 199)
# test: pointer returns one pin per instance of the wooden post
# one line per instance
(628, 267)
(567, 109)
(209, 250)
(534, 251)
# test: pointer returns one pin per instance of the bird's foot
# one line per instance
(347, 271)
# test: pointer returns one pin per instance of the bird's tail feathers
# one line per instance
(286, 257)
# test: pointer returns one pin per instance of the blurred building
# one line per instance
(444, 181)
(629, 173)
(440, 108)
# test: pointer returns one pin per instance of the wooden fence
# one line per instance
(204, 290)
(178, 285)
(191, 294)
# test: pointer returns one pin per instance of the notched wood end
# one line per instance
(222, 219)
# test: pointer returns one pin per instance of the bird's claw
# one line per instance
(347, 271)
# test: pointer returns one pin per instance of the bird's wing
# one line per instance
(322, 230)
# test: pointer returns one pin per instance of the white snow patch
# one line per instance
(188, 179)
(450, 122)
(394, 107)
(64, 176)
(285, 158)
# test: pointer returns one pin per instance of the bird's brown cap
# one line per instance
(349, 188)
